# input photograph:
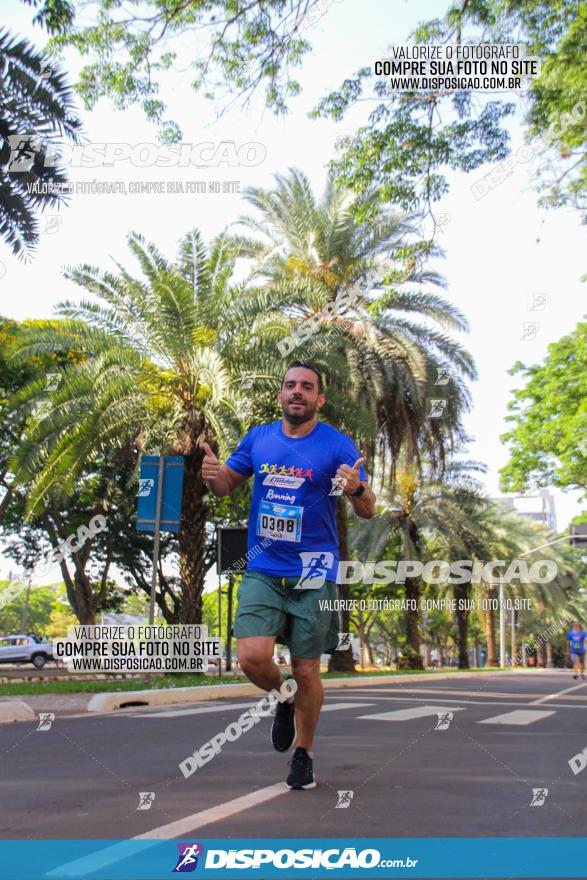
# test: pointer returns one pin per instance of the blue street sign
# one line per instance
(171, 496)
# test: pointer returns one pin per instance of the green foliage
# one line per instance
(383, 350)
(548, 440)
(156, 355)
(412, 139)
(42, 601)
(210, 611)
(236, 49)
(36, 112)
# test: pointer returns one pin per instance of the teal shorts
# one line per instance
(269, 606)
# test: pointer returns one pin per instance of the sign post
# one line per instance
(156, 542)
(159, 505)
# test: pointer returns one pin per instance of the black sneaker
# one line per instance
(283, 728)
(301, 775)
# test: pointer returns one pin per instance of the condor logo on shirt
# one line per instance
(283, 481)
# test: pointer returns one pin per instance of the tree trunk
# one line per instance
(549, 656)
(413, 657)
(490, 628)
(85, 608)
(540, 654)
(342, 661)
(368, 652)
(460, 592)
(412, 591)
(427, 650)
(80, 592)
(192, 538)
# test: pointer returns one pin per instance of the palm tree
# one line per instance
(385, 353)
(451, 514)
(448, 515)
(160, 368)
(512, 536)
(36, 109)
(383, 356)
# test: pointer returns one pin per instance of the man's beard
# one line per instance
(299, 417)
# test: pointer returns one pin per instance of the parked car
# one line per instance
(25, 649)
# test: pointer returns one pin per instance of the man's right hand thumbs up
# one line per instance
(210, 465)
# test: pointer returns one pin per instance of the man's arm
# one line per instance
(364, 506)
(220, 479)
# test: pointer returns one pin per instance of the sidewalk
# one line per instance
(77, 704)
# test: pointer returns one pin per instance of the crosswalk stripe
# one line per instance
(518, 717)
(442, 692)
(407, 714)
(555, 696)
(199, 710)
(332, 706)
(179, 713)
(214, 814)
(180, 828)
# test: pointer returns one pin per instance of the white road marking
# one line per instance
(490, 703)
(518, 717)
(180, 828)
(179, 713)
(200, 710)
(456, 691)
(407, 714)
(548, 697)
(191, 823)
(334, 706)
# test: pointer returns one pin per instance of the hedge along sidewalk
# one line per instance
(102, 703)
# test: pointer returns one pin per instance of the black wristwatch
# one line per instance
(359, 492)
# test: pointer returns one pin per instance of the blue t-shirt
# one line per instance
(292, 521)
(576, 640)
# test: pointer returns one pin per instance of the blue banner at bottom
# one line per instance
(306, 858)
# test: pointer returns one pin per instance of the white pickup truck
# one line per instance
(25, 649)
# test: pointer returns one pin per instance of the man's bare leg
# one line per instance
(309, 696)
(255, 656)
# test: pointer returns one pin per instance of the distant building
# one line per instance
(539, 507)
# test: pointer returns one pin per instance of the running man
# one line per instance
(576, 647)
(300, 466)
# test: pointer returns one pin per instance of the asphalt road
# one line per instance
(509, 734)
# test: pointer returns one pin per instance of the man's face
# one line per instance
(299, 397)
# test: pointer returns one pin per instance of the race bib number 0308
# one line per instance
(280, 522)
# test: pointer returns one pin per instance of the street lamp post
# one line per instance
(502, 619)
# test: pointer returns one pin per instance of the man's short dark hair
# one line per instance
(307, 366)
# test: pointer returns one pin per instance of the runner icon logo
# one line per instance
(539, 795)
(344, 799)
(46, 719)
(444, 719)
(344, 642)
(187, 859)
(146, 799)
(315, 567)
(338, 484)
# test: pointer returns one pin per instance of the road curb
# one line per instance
(109, 702)
(15, 711)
